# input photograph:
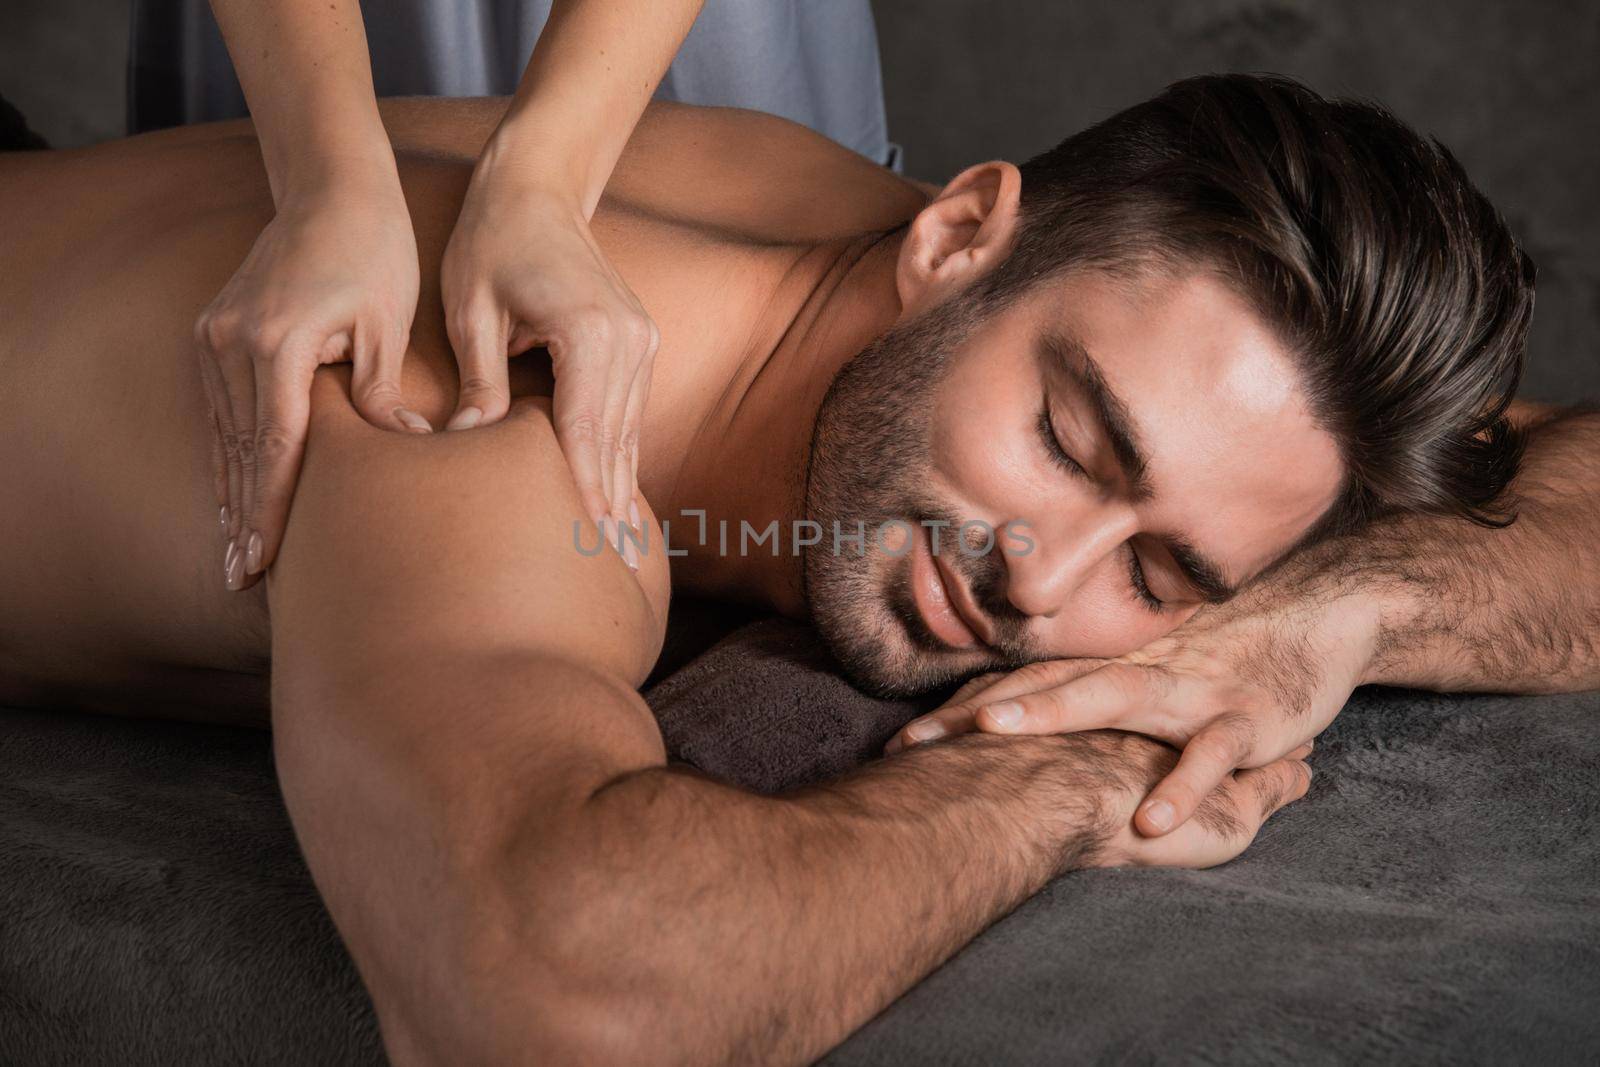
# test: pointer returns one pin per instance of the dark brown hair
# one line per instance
(1391, 279)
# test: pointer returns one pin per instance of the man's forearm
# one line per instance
(728, 927)
(1466, 607)
(513, 892)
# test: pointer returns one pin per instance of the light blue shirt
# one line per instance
(812, 61)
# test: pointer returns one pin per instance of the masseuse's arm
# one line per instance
(484, 802)
(522, 268)
(1424, 601)
(332, 277)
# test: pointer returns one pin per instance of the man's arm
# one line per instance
(1418, 600)
(1518, 609)
(484, 802)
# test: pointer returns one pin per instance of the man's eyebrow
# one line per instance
(1067, 353)
(1199, 570)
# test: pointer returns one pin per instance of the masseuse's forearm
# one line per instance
(305, 72)
(1465, 607)
(592, 73)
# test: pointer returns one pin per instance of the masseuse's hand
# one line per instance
(1240, 685)
(523, 270)
(332, 277)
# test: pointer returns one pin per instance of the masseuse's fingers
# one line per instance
(222, 451)
(578, 410)
(479, 337)
(227, 377)
(238, 379)
(1211, 755)
(625, 472)
(283, 410)
(639, 355)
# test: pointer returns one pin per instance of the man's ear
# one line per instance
(967, 230)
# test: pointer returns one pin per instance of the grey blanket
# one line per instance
(1436, 897)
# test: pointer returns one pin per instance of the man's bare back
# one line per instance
(722, 221)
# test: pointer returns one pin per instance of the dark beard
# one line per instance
(869, 463)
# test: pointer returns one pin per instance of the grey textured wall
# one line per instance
(63, 63)
(1512, 87)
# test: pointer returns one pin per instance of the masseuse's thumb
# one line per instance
(375, 384)
(480, 347)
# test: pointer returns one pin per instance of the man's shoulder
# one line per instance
(756, 175)
(479, 536)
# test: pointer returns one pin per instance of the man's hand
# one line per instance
(333, 277)
(1240, 685)
(1123, 766)
(522, 269)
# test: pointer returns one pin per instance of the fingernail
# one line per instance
(1159, 813)
(222, 517)
(633, 515)
(252, 553)
(413, 422)
(231, 570)
(926, 730)
(630, 551)
(465, 419)
(1007, 714)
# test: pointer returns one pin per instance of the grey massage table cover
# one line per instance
(1436, 897)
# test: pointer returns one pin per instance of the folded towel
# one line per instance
(766, 709)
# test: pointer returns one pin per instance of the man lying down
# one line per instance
(1204, 416)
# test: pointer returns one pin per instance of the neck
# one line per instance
(745, 468)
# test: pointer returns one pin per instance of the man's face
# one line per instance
(1135, 446)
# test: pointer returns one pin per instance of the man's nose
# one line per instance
(1041, 580)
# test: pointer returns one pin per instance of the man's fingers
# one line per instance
(946, 722)
(1232, 817)
(1207, 760)
(977, 686)
(1002, 685)
(954, 717)
(1266, 789)
(283, 408)
(1098, 699)
(479, 337)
